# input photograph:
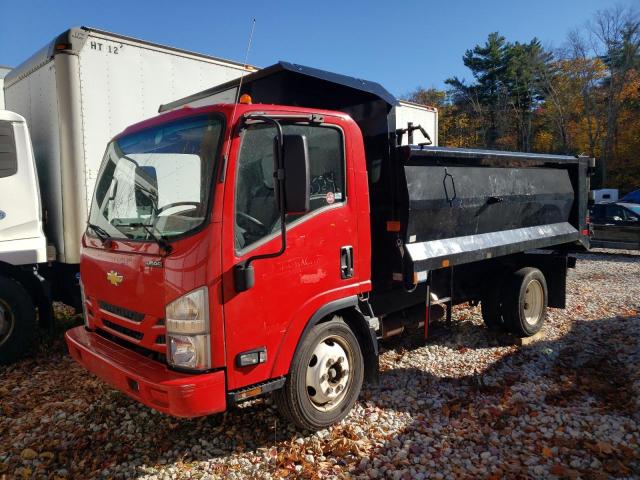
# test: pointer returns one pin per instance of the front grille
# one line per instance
(157, 356)
(122, 312)
(123, 330)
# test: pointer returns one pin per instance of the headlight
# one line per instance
(187, 321)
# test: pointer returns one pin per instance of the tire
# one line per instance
(491, 308)
(17, 321)
(320, 362)
(526, 304)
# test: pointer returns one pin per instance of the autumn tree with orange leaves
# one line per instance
(583, 98)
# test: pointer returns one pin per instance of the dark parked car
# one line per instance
(615, 225)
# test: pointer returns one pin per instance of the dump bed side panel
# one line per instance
(459, 206)
(447, 202)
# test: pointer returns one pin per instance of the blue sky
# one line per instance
(401, 44)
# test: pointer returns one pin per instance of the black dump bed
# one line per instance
(457, 205)
(432, 207)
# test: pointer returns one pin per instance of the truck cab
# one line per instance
(22, 242)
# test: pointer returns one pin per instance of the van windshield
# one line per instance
(157, 182)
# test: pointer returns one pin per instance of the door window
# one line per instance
(257, 214)
(615, 213)
(8, 156)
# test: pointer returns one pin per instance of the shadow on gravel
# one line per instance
(92, 431)
(626, 256)
(586, 383)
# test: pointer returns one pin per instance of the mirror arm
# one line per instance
(243, 272)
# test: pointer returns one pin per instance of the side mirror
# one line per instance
(113, 190)
(295, 152)
(146, 189)
(617, 219)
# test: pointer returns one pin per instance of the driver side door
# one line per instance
(289, 288)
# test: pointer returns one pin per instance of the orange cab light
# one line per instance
(393, 226)
(245, 99)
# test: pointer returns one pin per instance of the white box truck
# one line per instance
(76, 93)
(418, 123)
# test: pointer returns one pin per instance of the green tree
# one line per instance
(485, 97)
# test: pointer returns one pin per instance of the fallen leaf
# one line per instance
(547, 452)
(47, 455)
(28, 454)
(601, 447)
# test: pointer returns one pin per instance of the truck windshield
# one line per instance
(156, 183)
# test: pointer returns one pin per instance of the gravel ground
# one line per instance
(468, 404)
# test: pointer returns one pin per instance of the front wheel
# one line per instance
(17, 321)
(325, 378)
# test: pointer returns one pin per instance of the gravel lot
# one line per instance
(468, 404)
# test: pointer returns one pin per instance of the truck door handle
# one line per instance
(346, 262)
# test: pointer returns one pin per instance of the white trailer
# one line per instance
(77, 93)
(603, 195)
(409, 117)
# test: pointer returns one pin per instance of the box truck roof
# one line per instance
(74, 39)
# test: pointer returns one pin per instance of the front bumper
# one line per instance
(145, 380)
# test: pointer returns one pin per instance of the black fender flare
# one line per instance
(348, 309)
(38, 288)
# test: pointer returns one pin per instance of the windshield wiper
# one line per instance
(161, 240)
(102, 234)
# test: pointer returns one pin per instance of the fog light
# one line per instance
(189, 351)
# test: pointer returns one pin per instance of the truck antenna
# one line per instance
(235, 103)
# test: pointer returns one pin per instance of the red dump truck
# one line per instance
(236, 249)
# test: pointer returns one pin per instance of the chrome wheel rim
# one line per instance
(533, 302)
(7, 322)
(328, 376)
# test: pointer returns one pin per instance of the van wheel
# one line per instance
(17, 321)
(325, 378)
(526, 304)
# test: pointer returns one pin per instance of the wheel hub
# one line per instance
(533, 302)
(6, 322)
(327, 374)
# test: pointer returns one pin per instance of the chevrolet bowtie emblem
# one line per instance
(114, 278)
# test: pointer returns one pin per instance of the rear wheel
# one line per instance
(17, 321)
(325, 378)
(491, 307)
(526, 304)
